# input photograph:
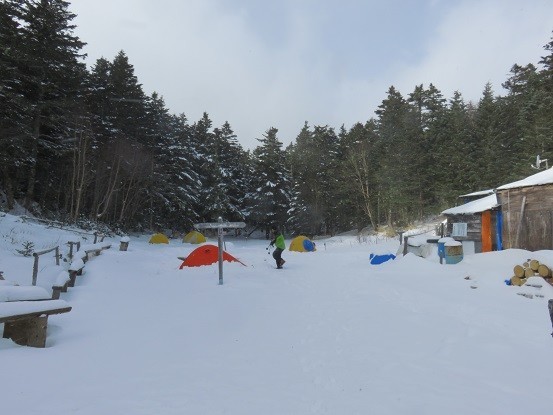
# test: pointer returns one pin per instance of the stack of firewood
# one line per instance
(530, 268)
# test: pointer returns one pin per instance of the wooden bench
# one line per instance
(67, 279)
(24, 312)
(63, 280)
(88, 251)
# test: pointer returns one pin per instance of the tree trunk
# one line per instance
(78, 177)
(31, 177)
(8, 187)
(112, 183)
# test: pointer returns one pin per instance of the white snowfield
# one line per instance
(328, 334)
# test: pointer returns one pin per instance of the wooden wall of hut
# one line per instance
(474, 229)
(527, 217)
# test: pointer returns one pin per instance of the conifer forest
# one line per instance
(84, 145)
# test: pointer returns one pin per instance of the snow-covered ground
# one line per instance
(329, 334)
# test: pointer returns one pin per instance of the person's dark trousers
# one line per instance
(277, 255)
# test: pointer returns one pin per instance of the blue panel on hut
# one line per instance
(499, 230)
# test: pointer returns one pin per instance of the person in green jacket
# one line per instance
(278, 241)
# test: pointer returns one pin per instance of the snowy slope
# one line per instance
(329, 334)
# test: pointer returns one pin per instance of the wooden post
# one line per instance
(405, 240)
(519, 225)
(37, 254)
(551, 228)
(220, 244)
(35, 268)
(550, 305)
(70, 243)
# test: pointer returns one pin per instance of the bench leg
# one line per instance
(28, 332)
(56, 293)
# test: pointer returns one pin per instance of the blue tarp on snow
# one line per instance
(379, 259)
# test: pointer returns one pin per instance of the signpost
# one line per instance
(220, 225)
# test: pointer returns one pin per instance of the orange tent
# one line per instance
(206, 255)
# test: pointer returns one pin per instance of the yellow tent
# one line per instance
(159, 238)
(302, 244)
(194, 237)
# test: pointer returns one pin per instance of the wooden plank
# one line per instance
(24, 309)
(28, 332)
(486, 234)
(35, 314)
(520, 219)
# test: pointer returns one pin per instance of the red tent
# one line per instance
(206, 255)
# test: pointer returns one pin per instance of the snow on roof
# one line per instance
(541, 178)
(476, 206)
(480, 193)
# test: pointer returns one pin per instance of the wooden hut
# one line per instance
(527, 207)
(476, 222)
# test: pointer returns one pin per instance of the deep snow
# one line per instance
(329, 334)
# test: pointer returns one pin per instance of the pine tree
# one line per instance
(395, 132)
(125, 155)
(211, 197)
(270, 200)
(179, 159)
(452, 153)
(486, 135)
(15, 110)
(357, 195)
(235, 171)
(54, 77)
(544, 121)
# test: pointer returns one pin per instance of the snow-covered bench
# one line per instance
(63, 280)
(67, 278)
(88, 251)
(24, 312)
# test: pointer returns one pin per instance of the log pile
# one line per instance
(530, 268)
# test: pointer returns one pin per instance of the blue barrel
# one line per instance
(453, 252)
(441, 245)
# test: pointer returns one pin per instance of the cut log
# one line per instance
(526, 264)
(517, 281)
(534, 264)
(518, 271)
(544, 271)
(528, 272)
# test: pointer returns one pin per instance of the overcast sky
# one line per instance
(259, 64)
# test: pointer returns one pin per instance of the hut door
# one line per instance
(486, 231)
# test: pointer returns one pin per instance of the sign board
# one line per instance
(220, 225)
